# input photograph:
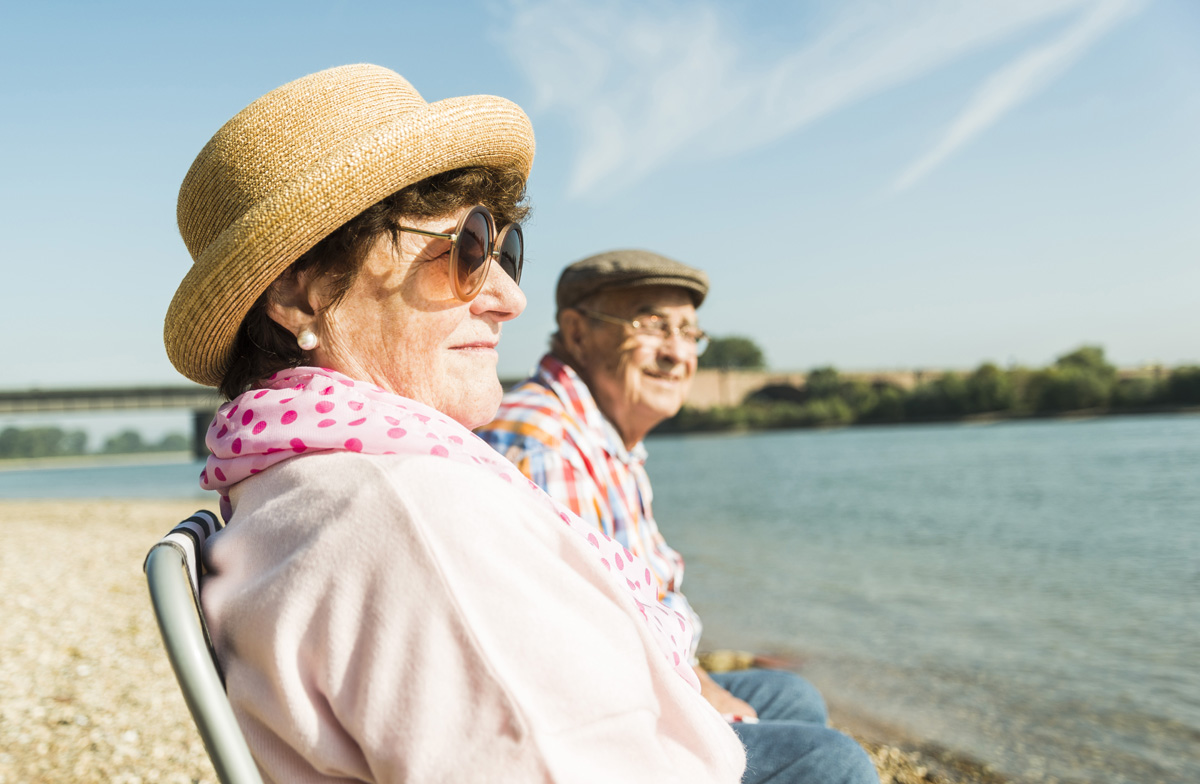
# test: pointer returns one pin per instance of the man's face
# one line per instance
(638, 381)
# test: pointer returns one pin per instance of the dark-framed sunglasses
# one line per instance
(473, 243)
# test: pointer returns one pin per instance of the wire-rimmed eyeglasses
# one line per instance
(656, 327)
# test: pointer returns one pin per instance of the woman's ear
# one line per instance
(294, 300)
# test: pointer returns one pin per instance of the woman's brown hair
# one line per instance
(263, 347)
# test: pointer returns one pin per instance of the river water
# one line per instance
(1026, 593)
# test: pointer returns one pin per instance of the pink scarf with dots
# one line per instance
(309, 410)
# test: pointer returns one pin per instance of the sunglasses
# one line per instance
(473, 244)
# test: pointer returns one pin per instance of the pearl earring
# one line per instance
(307, 339)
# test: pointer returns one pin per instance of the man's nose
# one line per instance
(675, 346)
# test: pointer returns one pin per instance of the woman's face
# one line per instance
(400, 326)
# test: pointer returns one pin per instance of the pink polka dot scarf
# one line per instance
(310, 410)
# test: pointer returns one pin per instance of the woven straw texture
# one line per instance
(295, 165)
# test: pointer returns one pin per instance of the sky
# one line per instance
(870, 185)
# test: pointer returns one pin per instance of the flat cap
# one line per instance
(627, 269)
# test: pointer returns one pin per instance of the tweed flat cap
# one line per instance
(626, 269)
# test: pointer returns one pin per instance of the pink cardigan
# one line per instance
(401, 618)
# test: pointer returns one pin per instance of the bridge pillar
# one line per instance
(200, 419)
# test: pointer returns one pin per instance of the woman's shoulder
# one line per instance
(350, 524)
(345, 494)
(404, 478)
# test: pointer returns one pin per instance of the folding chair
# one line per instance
(173, 569)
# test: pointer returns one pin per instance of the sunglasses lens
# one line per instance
(511, 250)
(471, 253)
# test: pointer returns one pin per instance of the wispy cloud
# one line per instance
(1016, 82)
(649, 83)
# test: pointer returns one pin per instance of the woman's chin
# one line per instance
(479, 407)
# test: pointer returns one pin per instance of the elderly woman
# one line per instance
(389, 600)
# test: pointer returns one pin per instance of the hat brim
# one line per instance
(239, 265)
(694, 289)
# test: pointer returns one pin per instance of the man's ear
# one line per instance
(294, 300)
(573, 327)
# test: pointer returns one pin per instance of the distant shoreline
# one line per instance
(703, 421)
(95, 461)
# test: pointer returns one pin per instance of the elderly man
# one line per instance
(621, 362)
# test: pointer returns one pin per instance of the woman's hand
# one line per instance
(725, 703)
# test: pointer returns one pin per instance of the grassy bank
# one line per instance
(758, 416)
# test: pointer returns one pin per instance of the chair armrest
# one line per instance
(183, 635)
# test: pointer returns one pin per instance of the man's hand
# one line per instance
(725, 703)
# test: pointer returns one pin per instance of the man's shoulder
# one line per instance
(533, 395)
(530, 413)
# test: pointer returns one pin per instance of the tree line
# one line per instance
(1081, 380)
(56, 442)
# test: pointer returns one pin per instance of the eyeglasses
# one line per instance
(656, 328)
(472, 247)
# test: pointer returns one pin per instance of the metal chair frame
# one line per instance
(173, 569)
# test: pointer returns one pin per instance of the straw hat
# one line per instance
(295, 165)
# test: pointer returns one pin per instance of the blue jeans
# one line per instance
(791, 743)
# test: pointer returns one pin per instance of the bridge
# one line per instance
(711, 388)
(202, 401)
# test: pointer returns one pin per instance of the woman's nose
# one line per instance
(501, 296)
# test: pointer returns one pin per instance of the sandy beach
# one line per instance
(87, 695)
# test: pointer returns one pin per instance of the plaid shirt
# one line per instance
(550, 427)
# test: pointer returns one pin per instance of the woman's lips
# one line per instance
(481, 346)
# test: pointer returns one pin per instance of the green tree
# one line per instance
(942, 398)
(1183, 386)
(859, 396)
(1087, 358)
(888, 405)
(172, 442)
(990, 389)
(733, 353)
(125, 442)
(1067, 389)
(822, 383)
(1081, 379)
(776, 393)
(41, 442)
(1136, 392)
(786, 413)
